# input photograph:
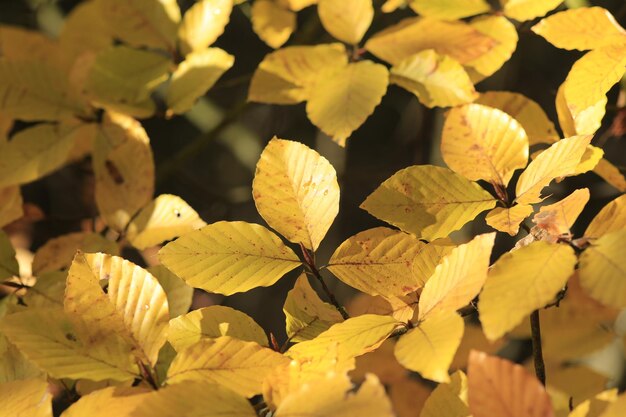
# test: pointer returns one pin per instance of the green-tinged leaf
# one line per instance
(8, 263)
(195, 398)
(378, 261)
(343, 99)
(179, 294)
(458, 278)
(84, 30)
(288, 75)
(26, 398)
(306, 314)
(521, 282)
(296, 192)
(525, 111)
(151, 23)
(449, 9)
(346, 20)
(508, 219)
(67, 348)
(522, 10)
(611, 218)
(428, 201)
(203, 23)
(213, 322)
(483, 143)
(602, 269)
(48, 291)
(57, 253)
(229, 257)
(134, 305)
(226, 361)
(273, 23)
(10, 203)
(195, 76)
(165, 218)
(559, 160)
(14, 366)
(430, 347)
(124, 169)
(436, 80)
(448, 399)
(116, 401)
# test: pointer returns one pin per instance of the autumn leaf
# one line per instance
(10, 204)
(449, 9)
(611, 218)
(26, 398)
(449, 399)
(202, 24)
(273, 23)
(121, 401)
(523, 10)
(508, 219)
(346, 20)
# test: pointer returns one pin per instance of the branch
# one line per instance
(535, 328)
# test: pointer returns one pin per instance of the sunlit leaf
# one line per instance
(611, 218)
(582, 122)
(134, 304)
(165, 218)
(195, 76)
(428, 201)
(602, 268)
(229, 257)
(232, 363)
(508, 219)
(559, 218)
(429, 257)
(117, 401)
(10, 204)
(213, 322)
(306, 314)
(611, 174)
(84, 30)
(288, 75)
(525, 111)
(458, 278)
(436, 80)
(430, 347)
(124, 169)
(179, 294)
(498, 387)
(581, 28)
(523, 10)
(346, 20)
(296, 192)
(343, 99)
(559, 160)
(26, 398)
(448, 399)
(273, 23)
(589, 160)
(521, 282)
(203, 23)
(449, 9)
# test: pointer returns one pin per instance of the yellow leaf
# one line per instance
(378, 261)
(400, 308)
(48, 291)
(522, 10)
(35, 152)
(449, 9)
(10, 204)
(526, 111)
(581, 28)
(611, 218)
(195, 398)
(503, 37)
(124, 169)
(592, 76)
(498, 387)
(134, 304)
(124, 75)
(346, 20)
(481, 142)
(117, 401)
(381, 362)
(26, 398)
(67, 348)
(229, 257)
(523, 281)
(474, 338)
(589, 160)
(84, 30)
(142, 22)
(296, 5)
(296, 192)
(57, 253)
(593, 407)
(234, 364)
(213, 322)
(203, 23)
(6, 124)
(195, 76)
(165, 218)
(306, 314)
(575, 381)
(343, 99)
(335, 397)
(179, 294)
(559, 218)
(19, 44)
(559, 160)
(458, 278)
(436, 80)
(392, 5)
(602, 268)
(272, 23)
(508, 219)
(288, 75)
(354, 337)
(8, 263)
(34, 91)
(582, 122)
(13, 364)
(616, 407)
(430, 347)
(448, 399)
(428, 201)
(609, 173)
(429, 257)
(456, 39)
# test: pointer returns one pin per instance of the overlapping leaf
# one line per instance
(179, 294)
(449, 9)
(118, 401)
(203, 23)
(274, 24)
(611, 218)
(523, 10)
(26, 398)
(508, 219)
(559, 218)
(448, 399)
(429, 257)
(10, 204)
(346, 20)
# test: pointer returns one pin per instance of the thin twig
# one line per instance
(535, 328)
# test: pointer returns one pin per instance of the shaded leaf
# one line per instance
(448, 399)
(179, 294)
(117, 401)
(8, 263)
(508, 219)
